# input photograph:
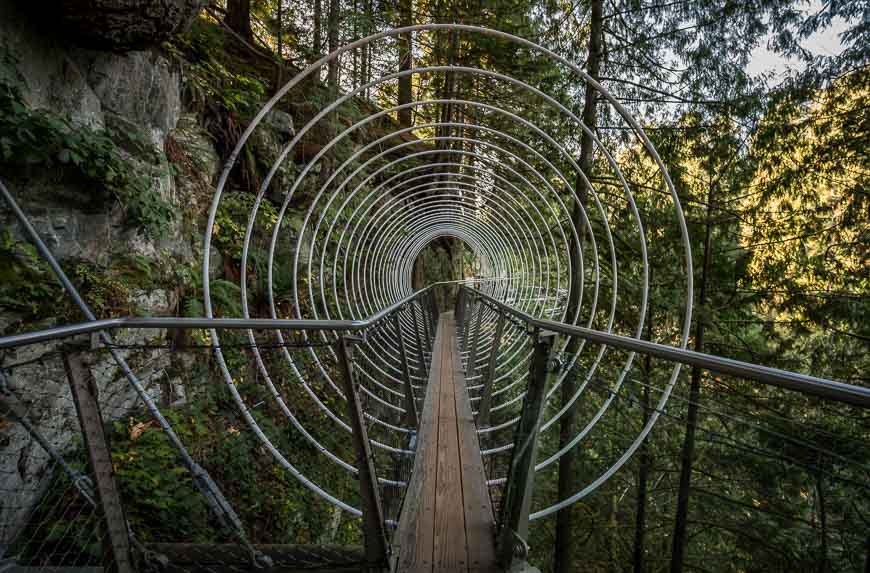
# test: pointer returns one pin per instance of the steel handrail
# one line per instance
(187, 323)
(812, 385)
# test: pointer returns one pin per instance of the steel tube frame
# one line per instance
(496, 212)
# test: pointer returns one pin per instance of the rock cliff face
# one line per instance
(123, 25)
(138, 91)
(163, 115)
(134, 92)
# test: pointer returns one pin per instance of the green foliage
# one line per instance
(237, 93)
(225, 295)
(162, 496)
(809, 224)
(41, 137)
(161, 501)
(109, 289)
(29, 287)
(232, 220)
(27, 284)
(209, 73)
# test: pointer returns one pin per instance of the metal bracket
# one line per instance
(355, 338)
(555, 364)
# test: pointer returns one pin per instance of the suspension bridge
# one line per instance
(436, 406)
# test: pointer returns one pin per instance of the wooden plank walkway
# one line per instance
(446, 523)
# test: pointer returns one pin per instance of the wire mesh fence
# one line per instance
(781, 475)
(251, 446)
(50, 512)
(393, 383)
(506, 387)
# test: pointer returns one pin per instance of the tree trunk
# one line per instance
(280, 33)
(643, 470)
(449, 92)
(406, 18)
(418, 278)
(563, 554)
(613, 530)
(334, 18)
(823, 524)
(356, 53)
(280, 26)
(366, 56)
(239, 18)
(688, 451)
(317, 37)
(328, 160)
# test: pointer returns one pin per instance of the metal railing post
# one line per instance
(434, 306)
(427, 320)
(461, 326)
(421, 360)
(116, 553)
(471, 367)
(514, 522)
(375, 537)
(410, 403)
(469, 318)
(460, 309)
(432, 314)
(489, 379)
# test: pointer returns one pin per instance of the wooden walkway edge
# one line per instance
(447, 522)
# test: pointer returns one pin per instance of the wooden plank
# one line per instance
(417, 523)
(423, 560)
(450, 545)
(479, 521)
(447, 523)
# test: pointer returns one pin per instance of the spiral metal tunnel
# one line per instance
(329, 351)
(489, 174)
